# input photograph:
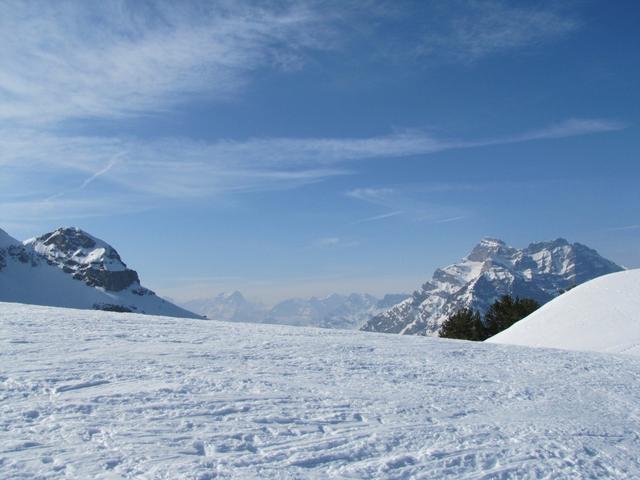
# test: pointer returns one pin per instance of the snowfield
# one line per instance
(87, 394)
(602, 315)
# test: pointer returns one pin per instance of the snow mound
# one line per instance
(89, 394)
(601, 315)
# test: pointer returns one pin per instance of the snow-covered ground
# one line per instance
(602, 315)
(87, 394)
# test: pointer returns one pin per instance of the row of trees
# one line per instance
(468, 324)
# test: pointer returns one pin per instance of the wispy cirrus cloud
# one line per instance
(333, 242)
(378, 196)
(31, 211)
(568, 128)
(108, 59)
(400, 203)
(78, 60)
(478, 29)
(382, 216)
(180, 168)
(116, 58)
(571, 127)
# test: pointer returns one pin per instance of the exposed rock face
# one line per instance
(6, 242)
(85, 257)
(108, 307)
(18, 253)
(540, 271)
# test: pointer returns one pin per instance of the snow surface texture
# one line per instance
(88, 394)
(70, 268)
(333, 311)
(492, 269)
(601, 315)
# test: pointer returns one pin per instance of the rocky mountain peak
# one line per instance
(86, 257)
(234, 296)
(557, 243)
(492, 269)
(68, 238)
(489, 248)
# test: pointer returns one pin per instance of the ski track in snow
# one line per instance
(102, 395)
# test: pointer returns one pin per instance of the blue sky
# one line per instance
(300, 148)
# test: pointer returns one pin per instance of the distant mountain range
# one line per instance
(540, 271)
(70, 268)
(333, 311)
(230, 307)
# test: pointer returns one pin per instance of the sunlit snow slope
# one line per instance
(601, 315)
(86, 394)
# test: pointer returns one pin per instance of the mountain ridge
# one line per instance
(539, 271)
(338, 311)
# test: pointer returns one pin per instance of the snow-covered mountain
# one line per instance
(333, 311)
(101, 395)
(230, 307)
(70, 268)
(540, 271)
(601, 315)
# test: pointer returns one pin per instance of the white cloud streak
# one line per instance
(65, 61)
(99, 173)
(115, 58)
(451, 219)
(402, 204)
(184, 169)
(382, 216)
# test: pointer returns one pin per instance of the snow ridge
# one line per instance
(540, 271)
